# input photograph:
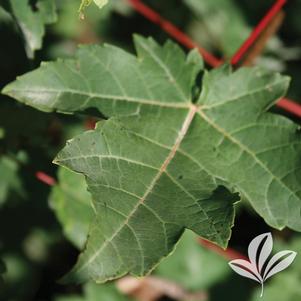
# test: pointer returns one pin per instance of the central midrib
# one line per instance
(185, 127)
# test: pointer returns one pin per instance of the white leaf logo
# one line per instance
(258, 268)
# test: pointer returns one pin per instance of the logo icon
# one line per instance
(258, 267)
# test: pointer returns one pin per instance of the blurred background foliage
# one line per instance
(42, 228)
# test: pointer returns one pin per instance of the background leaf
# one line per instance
(10, 182)
(224, 26)
(94, 292)
(192, 266)
(31, 22)
(72, 204)
(101, 3)
(2, 271)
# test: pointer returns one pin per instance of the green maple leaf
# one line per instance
(32, 23)
(170, 155)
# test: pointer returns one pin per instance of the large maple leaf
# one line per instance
(174, 151)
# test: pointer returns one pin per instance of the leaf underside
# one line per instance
(169, 156)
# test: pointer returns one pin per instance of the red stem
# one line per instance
(229, 254)
(173, 31)
(257, 31)
(286, 104)
(290, 106)
(43, 177)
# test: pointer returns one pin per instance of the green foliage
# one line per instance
(160, 113)
(179, 146)
(85, 3)
(193, 267)
(2, 271)
(16, 275)
(93, 292)
(72, 204)
(223, 24)
(9, 179)
(32, 23)
(220, 25)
